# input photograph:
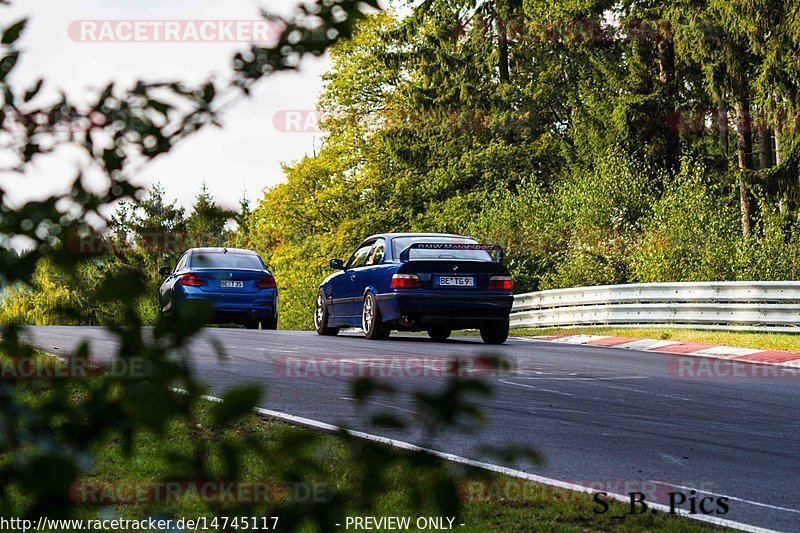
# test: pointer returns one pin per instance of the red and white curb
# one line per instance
(748, 355)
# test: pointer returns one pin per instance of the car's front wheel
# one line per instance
(371, 321)
(495, 332)
(321, 317)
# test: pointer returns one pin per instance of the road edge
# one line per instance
(555, 483)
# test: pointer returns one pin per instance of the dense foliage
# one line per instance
(141, 236)
(598, 142)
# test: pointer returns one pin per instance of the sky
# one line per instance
(245, 155)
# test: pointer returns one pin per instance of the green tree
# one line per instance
(554, 129)
(207, 225)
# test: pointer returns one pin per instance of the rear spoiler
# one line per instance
(451, 246)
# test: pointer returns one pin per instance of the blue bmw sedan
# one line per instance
(417, 282)
(236, 282)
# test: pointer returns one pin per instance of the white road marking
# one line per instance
(534, 388)
(651, 393)
(581, 339)
(726, 351)
(672, 459)
(388, 406)
(646, 344)
(579, 378)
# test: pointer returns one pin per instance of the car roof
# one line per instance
(391, 236)
(398, 235)
(221, 249)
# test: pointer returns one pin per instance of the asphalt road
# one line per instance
(602, 417)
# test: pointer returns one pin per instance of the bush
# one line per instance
(299, 269)
(692, 234)
(774, 252)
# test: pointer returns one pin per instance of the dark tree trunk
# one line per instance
(778, 129)
(666, 60)
(502, 42)
(666, 75)
(722, 124)
(744, 145)
(764, 142)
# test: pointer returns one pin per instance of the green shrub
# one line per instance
(692, 234)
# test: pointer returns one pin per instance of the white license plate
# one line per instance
(456, 281)
(226, 284)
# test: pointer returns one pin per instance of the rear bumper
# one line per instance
(238, 310)
(445, 307)
(239, 316)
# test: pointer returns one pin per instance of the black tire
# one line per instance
(270, 323)
(495, 332)
(172, 316)
(321, 317)
(251, 324)
(439, 334)
(371, 322)
(168, 319)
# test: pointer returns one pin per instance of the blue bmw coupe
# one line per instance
(417, 282)
(236, 282)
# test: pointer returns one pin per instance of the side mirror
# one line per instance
(337, 264)
(165, 271)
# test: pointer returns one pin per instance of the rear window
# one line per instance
(401, 243)
(226, 260)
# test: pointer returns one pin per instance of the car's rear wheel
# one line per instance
(371, 321)
(439, 334)
(270, 323)
(321, 317)
(495, 332)
(172, 316)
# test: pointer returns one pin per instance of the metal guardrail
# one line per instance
(738, 305)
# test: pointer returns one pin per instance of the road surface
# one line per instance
(600, 416)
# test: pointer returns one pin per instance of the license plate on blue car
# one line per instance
(231, 284)
(455, 281)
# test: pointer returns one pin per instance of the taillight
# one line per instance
(191, 280)
(266, 283)
(405, 281)
(500, 283)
